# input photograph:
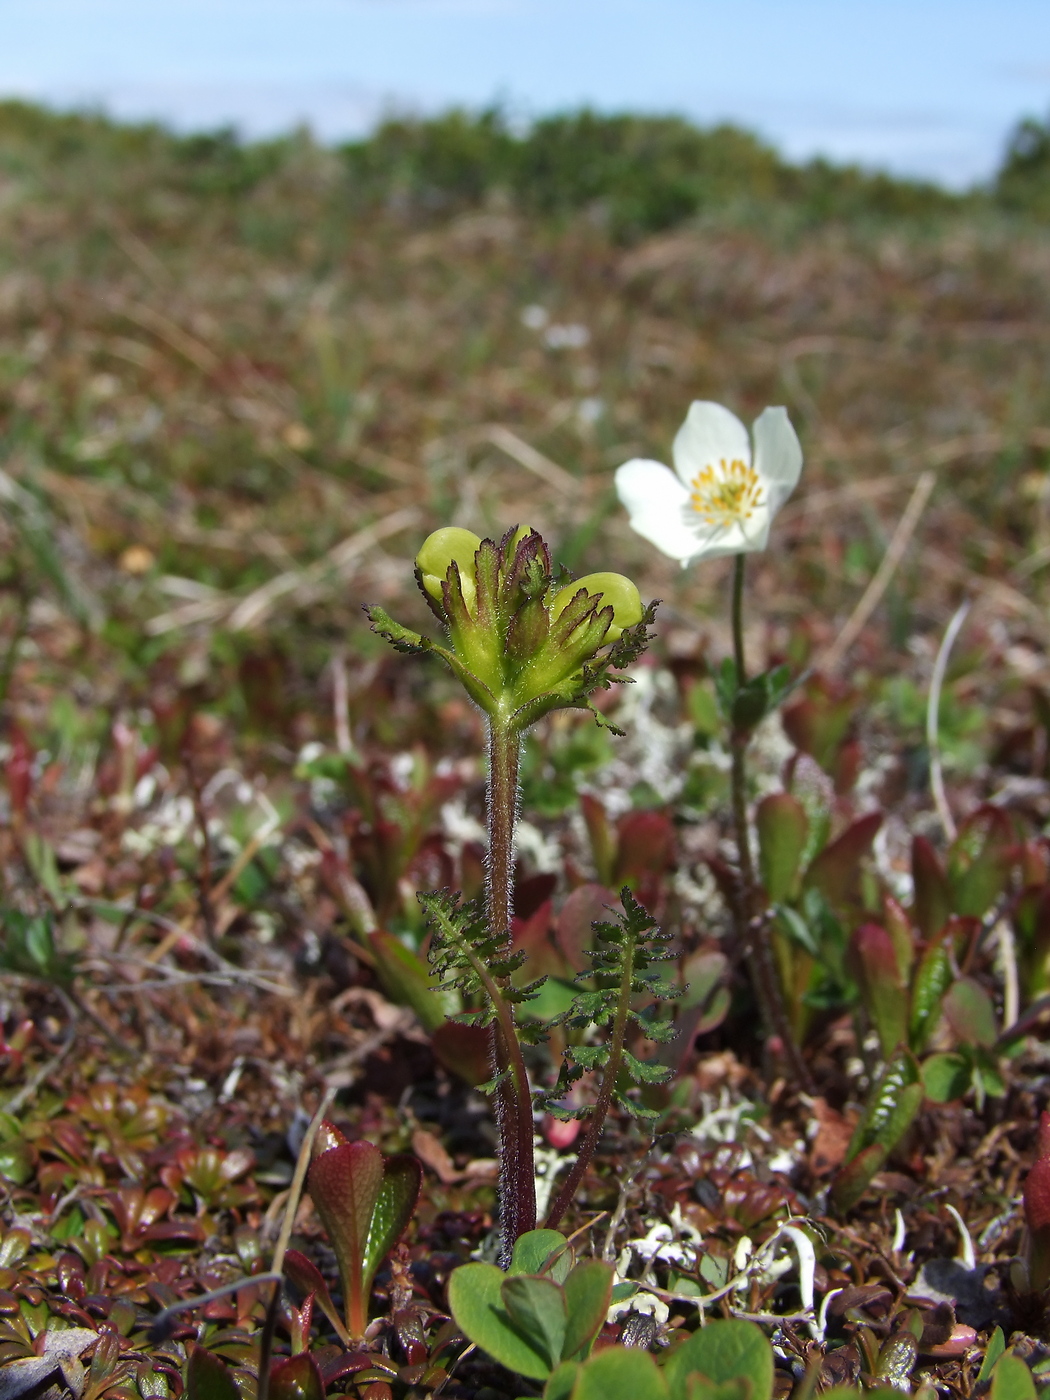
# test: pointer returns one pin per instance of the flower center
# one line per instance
(726, 494)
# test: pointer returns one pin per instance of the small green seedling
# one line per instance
(541, 1312)
(722, 1361)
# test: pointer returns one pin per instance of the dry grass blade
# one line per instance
(302, 584)
(872, 595)
(933, 709)
(528, 457)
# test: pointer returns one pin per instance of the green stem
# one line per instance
(601, 1106)
(738, 620)
(751, 928)
(517, 1175)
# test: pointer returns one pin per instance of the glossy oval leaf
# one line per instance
(946, 1076)
(782, 830)
(722, 1351)
(621, 1373)
(588, 1292)
(534, 1248)
(537, 1308)
(1012, 1380)
(476, 1303)
(395, 1202)
(298, 1378)
(970, 1013)
(208, 1377)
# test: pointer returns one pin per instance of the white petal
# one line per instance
(656, 500)
(709, 435)
(778, 456)
(719, 543)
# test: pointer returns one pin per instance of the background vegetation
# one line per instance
(239, 383)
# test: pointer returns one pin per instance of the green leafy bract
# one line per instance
(625, 960)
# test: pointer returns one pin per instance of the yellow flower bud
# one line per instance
(617, 592)
(442, 548)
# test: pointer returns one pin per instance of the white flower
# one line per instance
(721, 501)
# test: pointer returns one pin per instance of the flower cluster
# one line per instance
(522, 641)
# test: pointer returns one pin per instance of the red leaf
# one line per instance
(645, 846)
(933, 898)
(298, 1378)
(573, 932)
(836, 871)
(345, 1182)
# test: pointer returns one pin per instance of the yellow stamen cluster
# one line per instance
(726, 494)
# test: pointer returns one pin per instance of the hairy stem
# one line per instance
(517, 1176)
(752, 930)
(601, 1106)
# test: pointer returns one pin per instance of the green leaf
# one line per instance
(397, 1198)
(208, 1377)
(836, 871)
(698, 1387)
(308, 1278)
(946, 1076)
(561, 1382)
(407, 981)
(588, 1292)
(646, 1071)
(851, 1181)
(534, 1248)
(723, 1351)
(933, 896)
(995, 1349)
(897, 1357)
(893, 1102)
(970, 1013)
(782, 830)
(344, 1184)
(980, 860)
(1012, 1380)
(882, 987)
(537, 1307)
(476, 1303)
(364, 1201)
(931, 980)
(621, 1373)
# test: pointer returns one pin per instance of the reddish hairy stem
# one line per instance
(517, 1177)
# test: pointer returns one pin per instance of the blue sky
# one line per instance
(919, 86)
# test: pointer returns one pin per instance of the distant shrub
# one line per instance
(1024, 178)
(637, 174)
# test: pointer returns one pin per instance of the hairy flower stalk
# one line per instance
(522, 642)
